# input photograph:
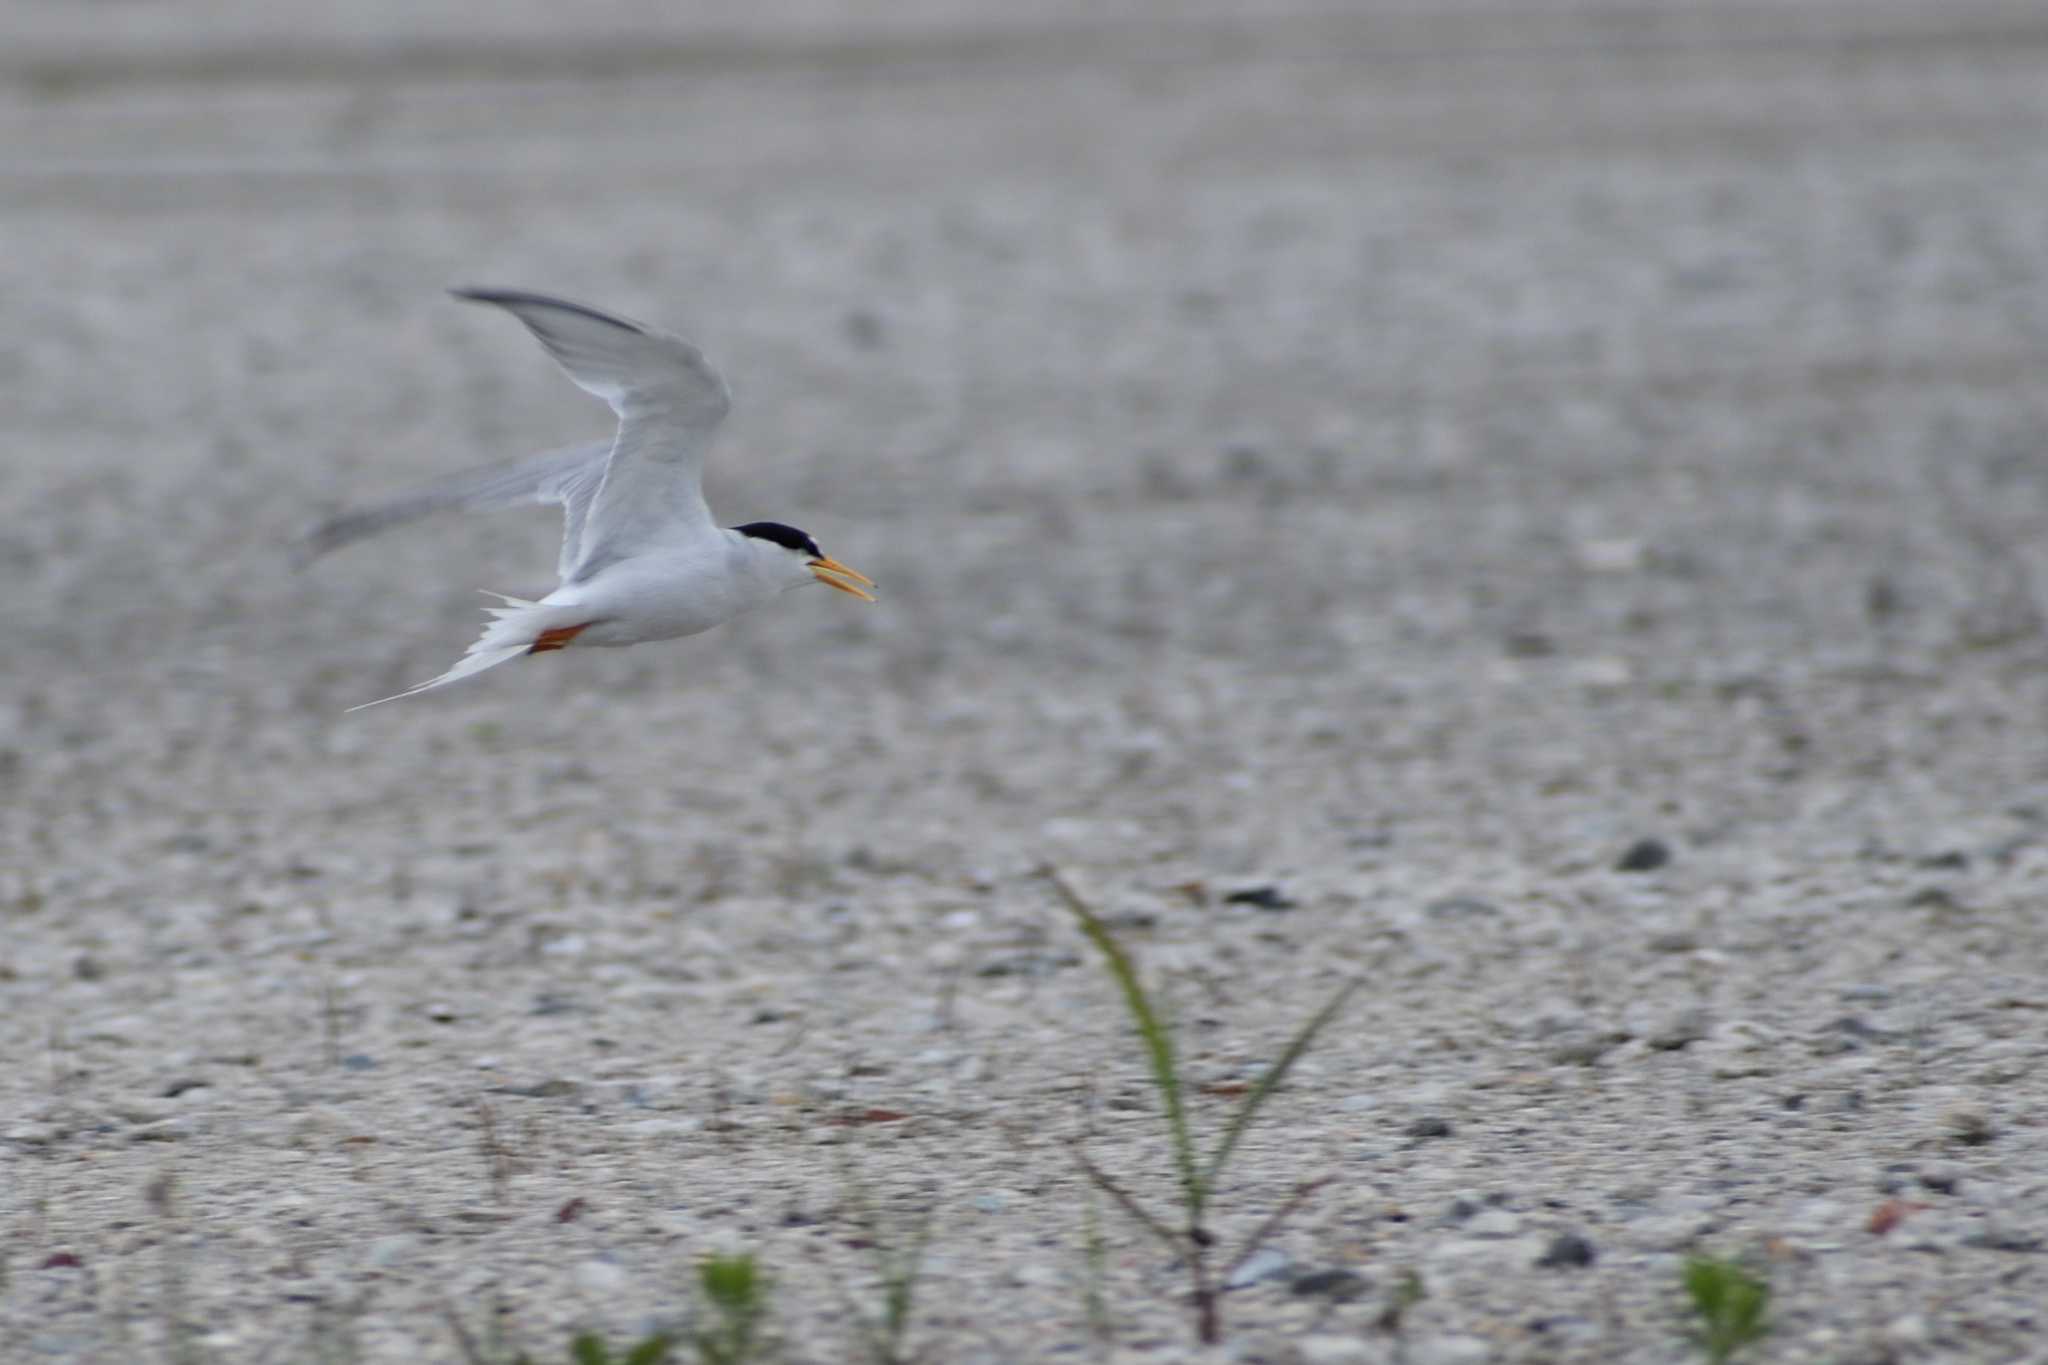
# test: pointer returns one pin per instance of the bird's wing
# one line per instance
(669, 403)
(567, 477)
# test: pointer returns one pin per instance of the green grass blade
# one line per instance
(737, 1290)
(652, 1351)
(1730, 1302)
(1158, 1041)
(588, 1349)
(1270, 1081)
(900, 1273)
(1096, 1251)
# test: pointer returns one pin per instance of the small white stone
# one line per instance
(1450, 1351)
(1036, 1275)
(1618, 555)
(598, 1276)
(1266, 1263)
(1910, 1330)
(1328, 1349)
(1495, 1223)
(385, 1252)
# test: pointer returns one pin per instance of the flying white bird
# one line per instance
(641, 557)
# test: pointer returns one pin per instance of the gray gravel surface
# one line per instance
(1539, 507)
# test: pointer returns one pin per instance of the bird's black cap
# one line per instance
(788, 537)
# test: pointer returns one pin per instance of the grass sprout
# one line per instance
(1198, 1178)
(1096, 1251)
(588, 1348)
(898, 1255)
(1730, 1301)
(736, 1288)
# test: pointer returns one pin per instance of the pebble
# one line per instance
(1615, 555)
(1910, 1330)
(1494, 1223)
(1568, 1250)
(1644, 855)
(386, 1252)
(1261, 898)
(166, 1130)
(1669, 1232)
(1337, 1283)
(600, 1276)
(1681, 1030)
(1969, 1127)
(1028, 964)
(2003, 1237)
(1454, 1350)
(1941, 1179)
(1581, 1048)
(1460, 907)
(1268, 1263)
(1429, 1126)
(1327, 1349)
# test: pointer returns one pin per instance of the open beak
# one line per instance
(833, 574)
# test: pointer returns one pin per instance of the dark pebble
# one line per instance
(1568, 1250)
(1460, 907)
(554, 1088)
(1260, 898)
(1971, 1129)
(1341, 1285)
(1244, 463)
(864, 330)
(1431, 1127)
(1644, 855)
(1028, 964)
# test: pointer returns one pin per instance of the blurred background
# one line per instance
(1184, 370)
(1390, 448)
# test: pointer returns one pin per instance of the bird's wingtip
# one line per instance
(516, 299)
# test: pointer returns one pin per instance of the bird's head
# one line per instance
(804, 560)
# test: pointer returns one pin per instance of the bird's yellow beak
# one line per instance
(833, 574)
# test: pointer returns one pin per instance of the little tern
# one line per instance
(641, 557)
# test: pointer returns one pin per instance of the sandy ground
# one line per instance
(1401, 457)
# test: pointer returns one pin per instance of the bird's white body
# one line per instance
(677, 590)
(641, 557)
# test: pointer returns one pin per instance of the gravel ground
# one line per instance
(1548, 500)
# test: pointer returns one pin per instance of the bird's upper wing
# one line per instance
(568, 477)
(669, 403)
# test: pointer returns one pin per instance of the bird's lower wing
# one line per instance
(567, 477)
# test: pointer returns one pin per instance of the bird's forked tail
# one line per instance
(518, 627)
